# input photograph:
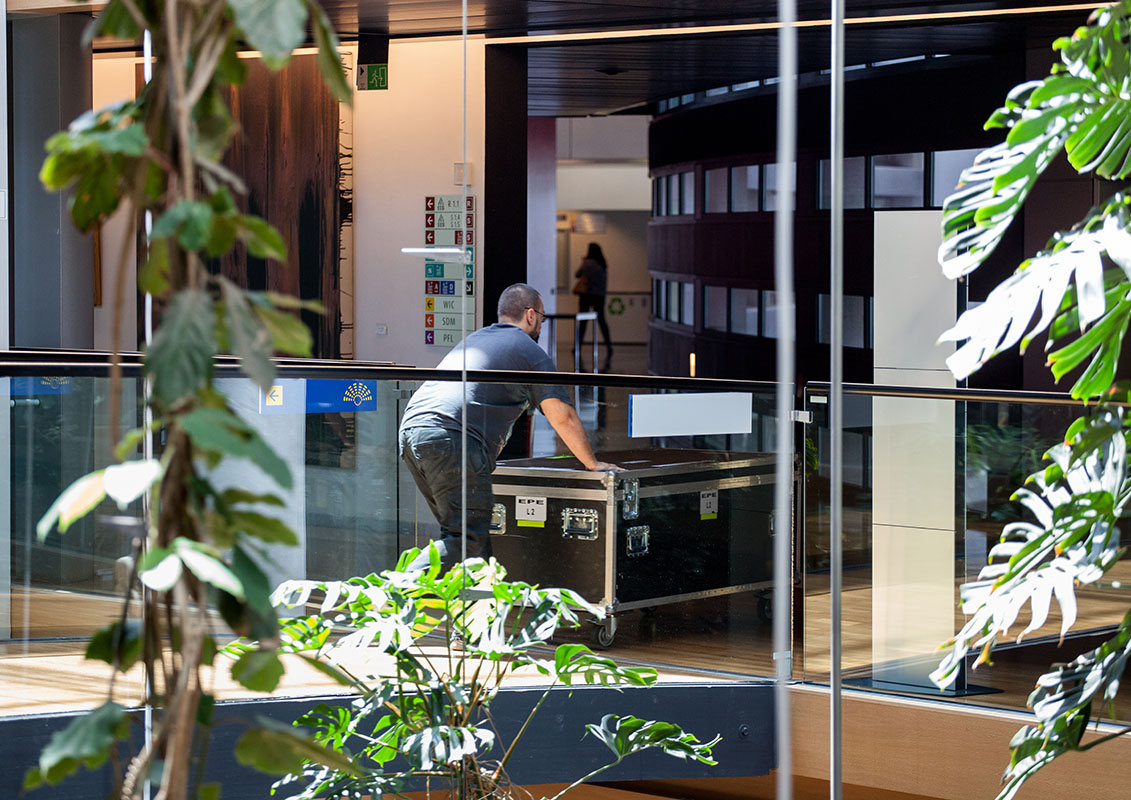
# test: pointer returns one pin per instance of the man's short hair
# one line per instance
(516, 298)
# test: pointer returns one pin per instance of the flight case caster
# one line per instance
(604, 632)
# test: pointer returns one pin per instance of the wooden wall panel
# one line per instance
(287, 153)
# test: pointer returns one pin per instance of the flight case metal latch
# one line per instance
(636, 543)
(630, 498)
(579, 523)
(499, 519)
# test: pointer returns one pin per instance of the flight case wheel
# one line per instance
(604, 633)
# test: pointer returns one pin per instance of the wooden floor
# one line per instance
(715, 639)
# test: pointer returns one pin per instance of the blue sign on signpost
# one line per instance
(318, 396)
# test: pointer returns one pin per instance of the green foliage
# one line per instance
(118, 644)
(279, 749)
(147, 155)
(1078, 289)
(219, 432)
(180, 358)
(86, 741)
(425, 711)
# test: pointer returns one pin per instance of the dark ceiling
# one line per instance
(603, 76)
(614, 74)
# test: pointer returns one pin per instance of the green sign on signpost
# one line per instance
(376, 76)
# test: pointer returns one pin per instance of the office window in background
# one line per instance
(770, 317)
(659, 197)
(948, 166)
(715, 308)
(673, 195)
(897, 181)
(673, 294)
(687, 306)
(856, 320)
(715, 191)
(855, 180)
(687, 192)
(744, 311)
(657, 299)
(771, 203)
(744, 188)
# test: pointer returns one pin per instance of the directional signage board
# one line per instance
(449, 287)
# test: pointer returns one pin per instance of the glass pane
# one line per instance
(897, 181)
(688, 307)
(657, 299)
(661, 193)
(771, 186)
(715, 191)
(673, 195)
(855, 320)
(744, 311)
(948, 166)
(942, 473)
(744, 188)
(715, 308)
(687, 192)
(673, 301)
(769, 322)
(855, 170)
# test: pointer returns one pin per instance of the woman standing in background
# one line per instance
(591, 287)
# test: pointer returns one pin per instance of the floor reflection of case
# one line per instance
(675, 525)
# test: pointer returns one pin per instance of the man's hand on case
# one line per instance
(603, 466)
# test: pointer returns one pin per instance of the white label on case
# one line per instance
(709, 504)
(530, 511)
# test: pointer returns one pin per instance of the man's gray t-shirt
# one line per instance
(492, 408)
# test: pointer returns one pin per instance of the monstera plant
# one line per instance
(1077, 292)
(420, 717)
(161, 154)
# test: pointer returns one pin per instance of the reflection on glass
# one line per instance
(744, 311)
(897, 181)
(715, 191)
(687, 192)
(772, 186)
(673, 195)
(661, 193)
(673, 301)
(744, 188)
(770, 320)
(855, 173)
(928, 490)
(948, 166)
(855, 320)
(715, 308)
(687, 317)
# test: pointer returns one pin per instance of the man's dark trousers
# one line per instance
(432, 456)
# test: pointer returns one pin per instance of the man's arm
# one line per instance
(565, 421)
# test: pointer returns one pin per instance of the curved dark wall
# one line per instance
(922, 110)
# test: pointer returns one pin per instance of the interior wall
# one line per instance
(541, 211)
(407, 140)
(624, 242)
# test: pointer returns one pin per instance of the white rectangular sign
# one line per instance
(530, 512)
(700, 414)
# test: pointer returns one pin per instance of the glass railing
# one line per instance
(929, 477)
(678, 547)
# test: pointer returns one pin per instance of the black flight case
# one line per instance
(675, 525)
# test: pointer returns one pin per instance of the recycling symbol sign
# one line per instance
(616, 306)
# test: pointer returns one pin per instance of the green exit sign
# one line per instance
(373, 76)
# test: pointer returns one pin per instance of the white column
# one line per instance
(913, 558)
